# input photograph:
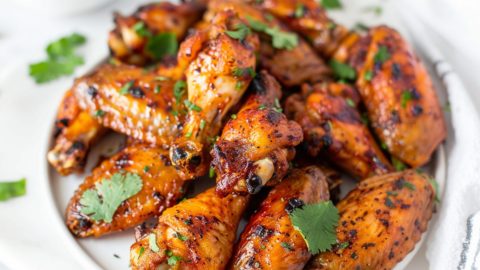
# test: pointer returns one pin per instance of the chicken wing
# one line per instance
(380, 222)
(257, 144)
(197, 233)
(400, 98)
(162, 188)
(133, 102)
(291, 67)
(130, 41)
(218, 74)
(334, 129)
(75, 131)
(270, 241)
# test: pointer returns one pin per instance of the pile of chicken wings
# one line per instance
(238, 104)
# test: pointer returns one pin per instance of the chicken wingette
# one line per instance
(333, 128)
(257, 143)
(161, 188)
(219, 71)
(197, 233)
(270, 240)
(291, 66)
(75, 131)
(380, 222)
(133, 102)
(140, 38)
(399, 95)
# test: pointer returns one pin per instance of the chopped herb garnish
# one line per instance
(146, 168)
(384, 146)
(140, 253)
(392, 193)
(436, 189)
(101, 202)
(240, 32)
(126, 87)
(156, 90)
(406, 96)
(262, 107)
(61, 60)
(368, 75)
(382, 54)
(342, 71)
(280, 39)
(331, 4)
(398, 164)
(316, 223)
(359, 26)
(299, 11)
(239, 85)
(233, 116)
(202, 124)
(172, 259)
(12, 189)
(409, 185)
(141, 29)
(377, 10)
(211, 172)
(162, 44)
(191, 106)
(343, 245)
(181, 236)
(161, 78)
(389, 203)
(179, 90)
(152, 242)
(286, 246)
(239, 72)
(263, 247)
(99, 113)
(188, 134)
(350, 102)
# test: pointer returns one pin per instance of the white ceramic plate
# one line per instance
(100, 253)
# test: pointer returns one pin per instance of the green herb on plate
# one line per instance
(12, 189)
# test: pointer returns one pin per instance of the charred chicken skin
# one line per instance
(292, 66)
(75, 131)
(132, 102)
(380, 222)
(334, 129)
(218, 73)
(129, 41)
(400, 98)
(197, 233)
(162, 188)
(270, 241)
(257, 144)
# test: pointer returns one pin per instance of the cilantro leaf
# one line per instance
(162, 44)
(331, 4)
(398, 164)
(240, 32)
(280, 39)
(179, 90)
(406, 96)
(12, 189)
(101, 202)
(299, 11)
(141, 29)
(317, 223)
(342, 71)
(382, 54)
(61, 59)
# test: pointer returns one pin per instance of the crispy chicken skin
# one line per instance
(129, 45)
(400, 98)
(162, 188)
(334, 129)
(75, 130)
(314, 24)
(199, 232)
(270, 241)
(291, 67)
(146, 110)
(217, 76)
(256, 146)
(381, 220)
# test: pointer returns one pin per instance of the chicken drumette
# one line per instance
(257, 143)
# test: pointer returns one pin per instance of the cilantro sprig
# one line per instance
(101, 202)
(280, 39)
(317, 224)
(61, 59)
(343, 71)
(161, 45)
(12, 189)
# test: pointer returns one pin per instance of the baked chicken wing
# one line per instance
(133, 40)
(380, 222)
(334, 129)
(197, 233)
(270, 241)
(133, 102)
(400, 98)
(162, 188)
(219, 71)
(75, 131)
(257, 144)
